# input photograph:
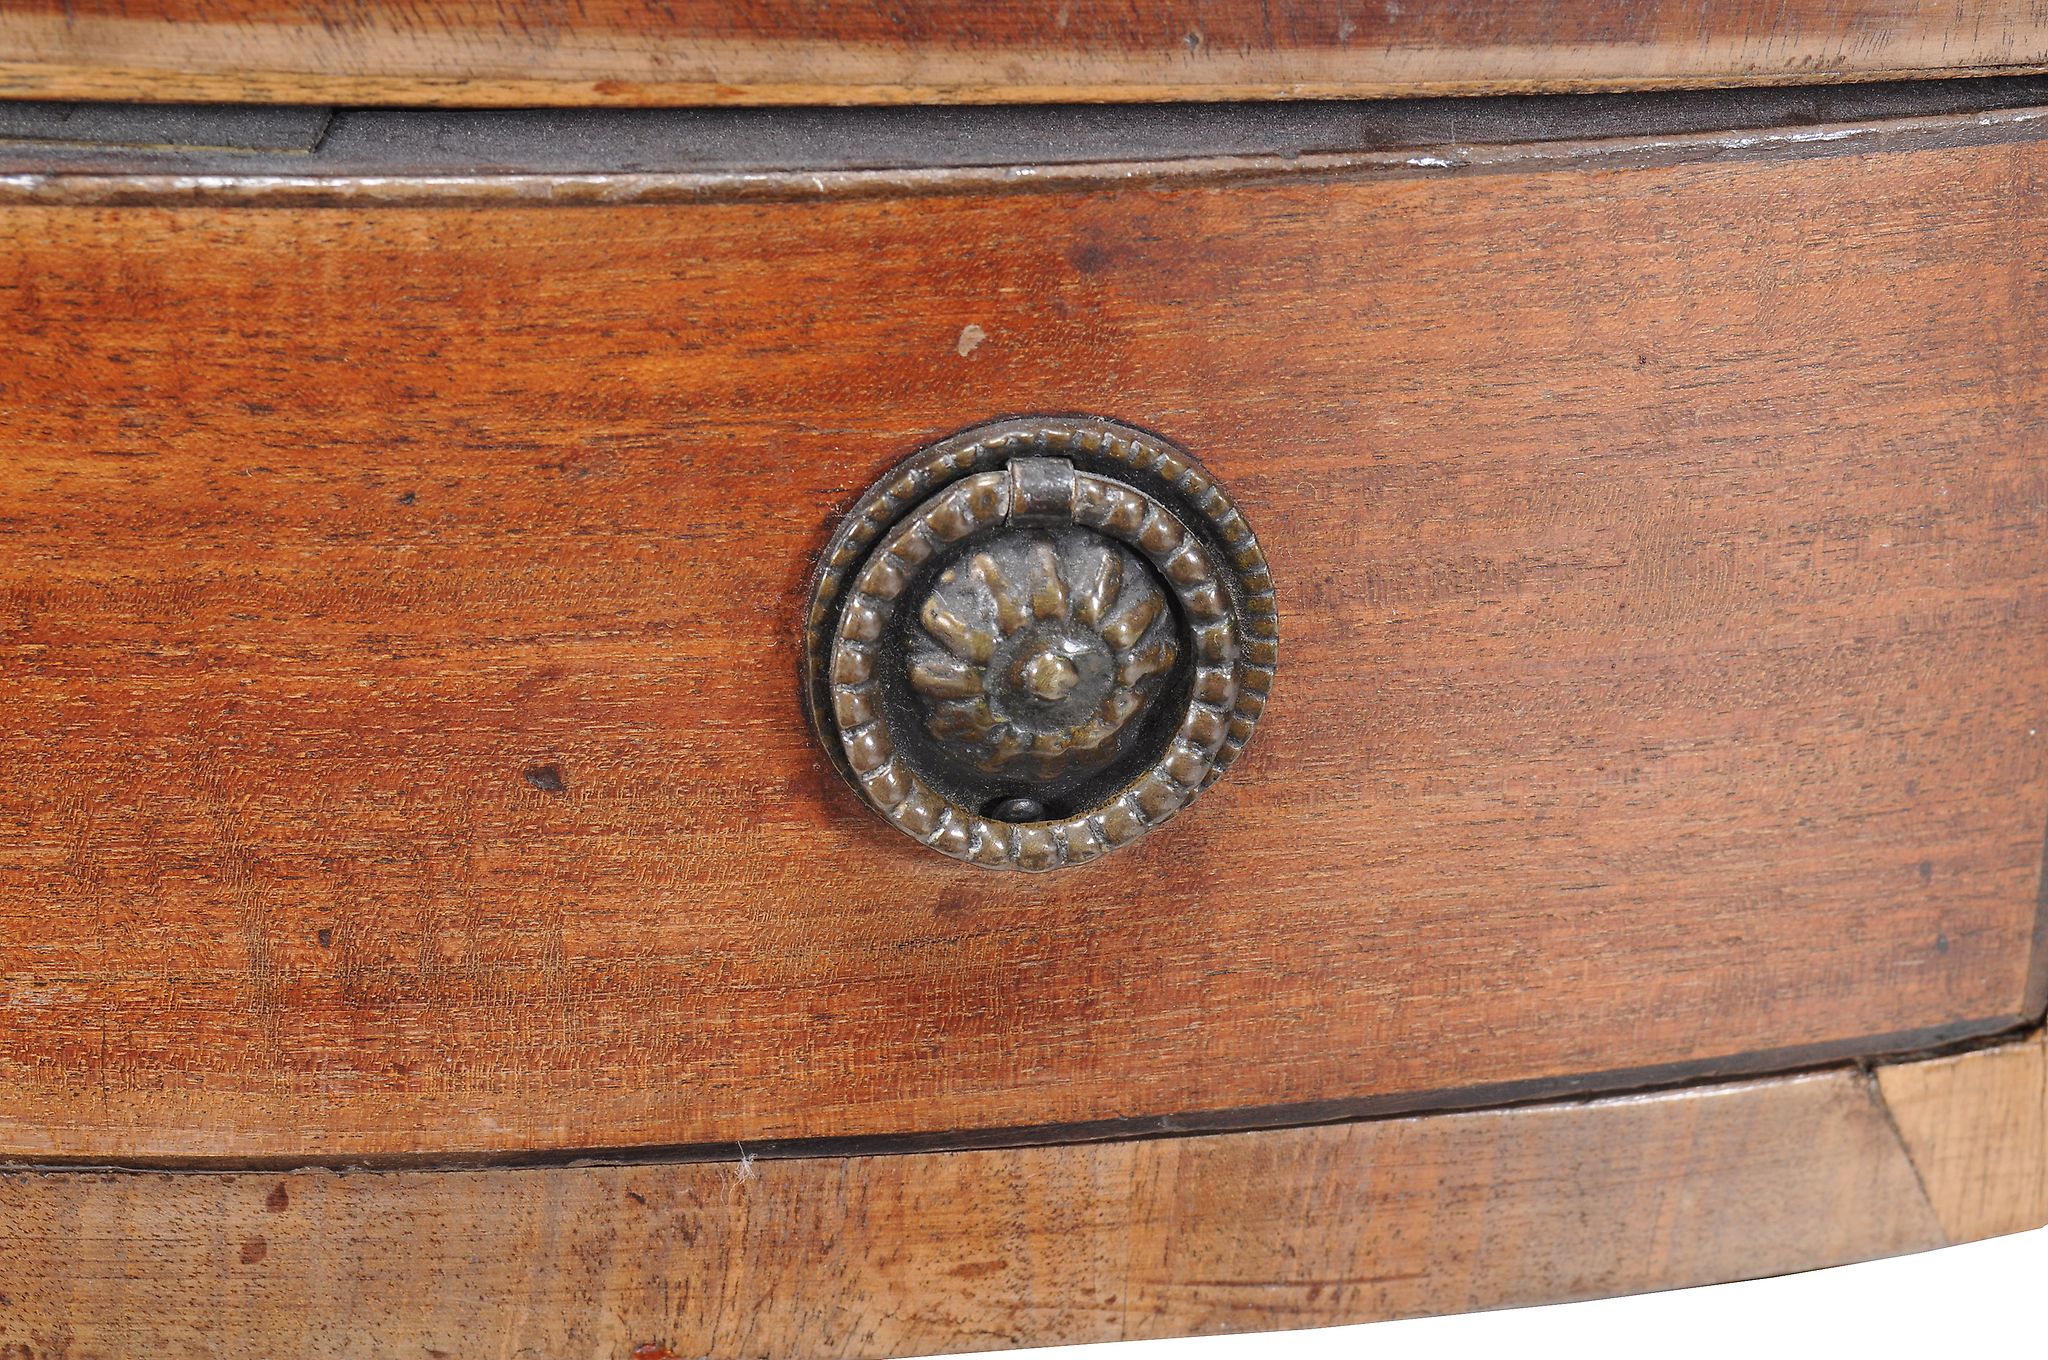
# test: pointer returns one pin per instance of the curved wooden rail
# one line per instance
(921, 1253)
(497, 52)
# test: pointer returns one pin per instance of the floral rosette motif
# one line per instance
(1033, 656)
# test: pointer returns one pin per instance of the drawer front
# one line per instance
(402, 607)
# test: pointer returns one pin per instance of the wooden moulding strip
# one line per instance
(488, 52)
(932, 1252)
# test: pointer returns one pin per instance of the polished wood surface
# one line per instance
(910, 1255)
(500, 52)
(400, 604)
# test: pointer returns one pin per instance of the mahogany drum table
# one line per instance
(759, 679)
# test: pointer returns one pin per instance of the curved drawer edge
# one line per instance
(485, 52)
(930, 1252)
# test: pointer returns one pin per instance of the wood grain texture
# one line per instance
(399, 612)
(496, 52)
(910, 1255)
(1977, 1129)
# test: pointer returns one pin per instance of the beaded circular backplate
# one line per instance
(1037, 640)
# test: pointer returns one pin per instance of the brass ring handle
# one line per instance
(1040, 661)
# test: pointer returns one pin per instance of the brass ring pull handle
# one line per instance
(1034, 642)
